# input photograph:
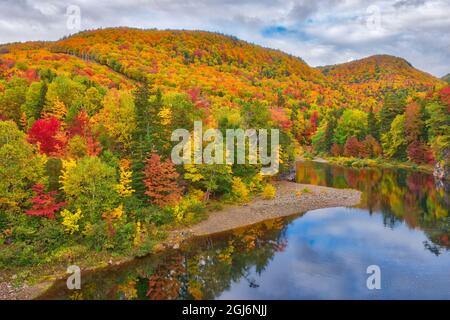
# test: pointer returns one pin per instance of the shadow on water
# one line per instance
(402, 225)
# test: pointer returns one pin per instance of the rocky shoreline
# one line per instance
(292, 198)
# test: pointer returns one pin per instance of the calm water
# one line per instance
(402, 225)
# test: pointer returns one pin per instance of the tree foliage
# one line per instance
(44, 204)
(161, 180)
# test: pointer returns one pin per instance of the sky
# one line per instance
(321, 32)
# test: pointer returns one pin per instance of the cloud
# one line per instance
(320, 32)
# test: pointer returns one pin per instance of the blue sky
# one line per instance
(320, 32)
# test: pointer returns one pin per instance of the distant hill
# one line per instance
(372, 76)
(446, 78)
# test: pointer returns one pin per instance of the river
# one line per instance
(401, 226)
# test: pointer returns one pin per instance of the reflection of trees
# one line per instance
(233, 258)
(400, 195)
(203, 270)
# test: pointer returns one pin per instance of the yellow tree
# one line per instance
(124, 187)
(57, 110)
(117, 118)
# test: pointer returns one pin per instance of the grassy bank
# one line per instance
(378, 163)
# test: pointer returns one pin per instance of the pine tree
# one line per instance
(372, 124)
(393, 105)
(142, 143)
(329, 130)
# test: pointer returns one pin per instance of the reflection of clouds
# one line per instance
(329, 251)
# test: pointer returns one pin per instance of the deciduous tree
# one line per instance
(44, 204)
(21, 167)
(161, 180)
(44, 133)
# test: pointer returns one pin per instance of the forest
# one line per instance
(86, 123)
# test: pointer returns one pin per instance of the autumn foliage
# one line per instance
(46, 134)
(419, 153)
(161, 181)
(44, 204)
(353, 148)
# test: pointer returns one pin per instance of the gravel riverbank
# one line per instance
(290, 199)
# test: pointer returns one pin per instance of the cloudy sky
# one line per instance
(319, 31)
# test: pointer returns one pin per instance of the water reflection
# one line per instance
(402, 196)
(401, 225)
(202, 269)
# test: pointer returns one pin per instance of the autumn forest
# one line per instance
(86, 123)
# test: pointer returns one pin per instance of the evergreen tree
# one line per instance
(373, 125)
(141, 138)
(329, 131)
(393, 105)
(145, 137)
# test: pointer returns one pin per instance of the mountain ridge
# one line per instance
(224, 65)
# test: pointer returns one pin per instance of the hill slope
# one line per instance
(221, 67)
(446, 78)
(370, 77)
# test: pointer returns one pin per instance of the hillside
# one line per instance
(371, 77)
(446, 78)
(223, 68)
(220, 65)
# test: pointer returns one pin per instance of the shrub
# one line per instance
(70, 220)
(419, 153)
(269, 192)
(306, 190)
(239, 190)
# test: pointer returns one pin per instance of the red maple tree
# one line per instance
(44, 204)
(46, 133)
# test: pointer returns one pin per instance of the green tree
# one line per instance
(64, 90)
(393, 105)
(372, 124)
(21, 167)
(12, 99)
(439, 120)
(34, 101)
(353, 123)
(92, 101)
(256, 115)
(142, 135)
(394, 141)
(329, 130)
(117, 119)
(438, 125)
(211, 178)
(89, 185)
(318, 138)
